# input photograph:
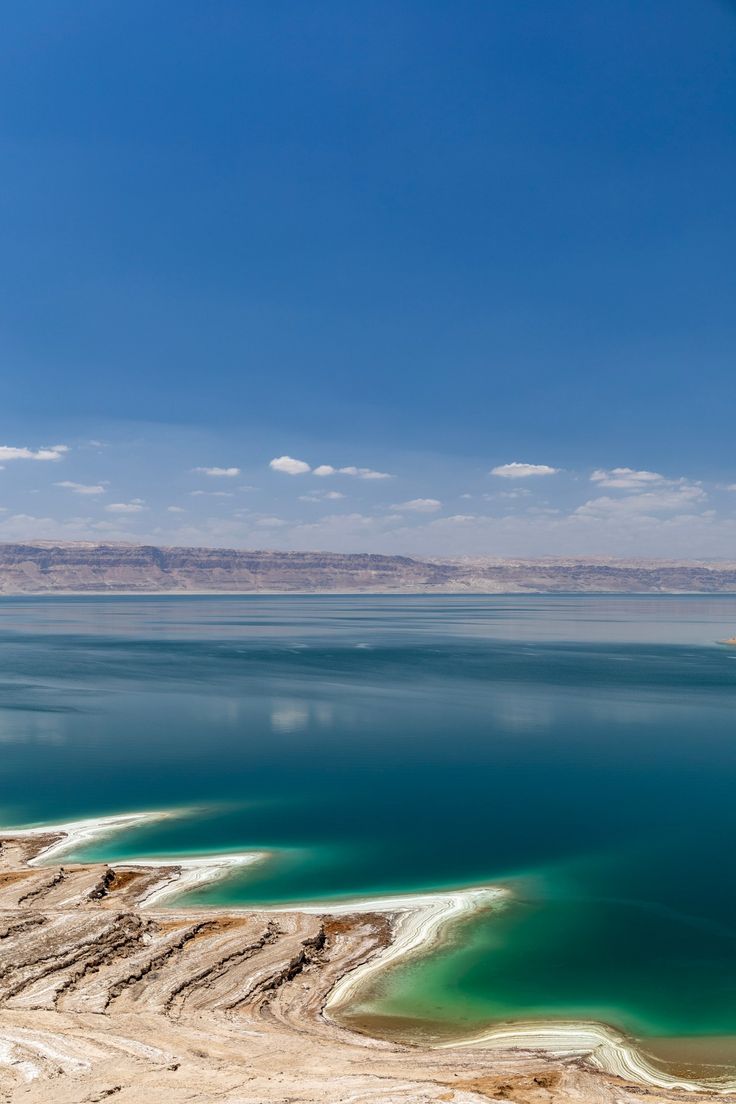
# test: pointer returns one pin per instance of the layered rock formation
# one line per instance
(43, 567)
(102, 997)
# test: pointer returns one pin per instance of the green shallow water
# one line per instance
(580, 749)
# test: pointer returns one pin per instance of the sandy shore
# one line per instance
(600, 1045)
(105, 993)
(418, 922)
(60, 839)
(179, 875)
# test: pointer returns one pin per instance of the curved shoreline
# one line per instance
(185, 873)
(600, 1045)
(76, 833)
(418, 923)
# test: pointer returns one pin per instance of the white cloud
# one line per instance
(228, 473)
(627, 479)
(25, 527)
(133, 507)
(455, 519)
(322, 496)
(649, 493)
(271, 523)
(82, 488)
(364, 473)
(684, 496)
(419, 505)
(175, 510)
(289, 466)
(341, 522)
(516, 470)
(678, 526)
(212, 494)
(51, 452)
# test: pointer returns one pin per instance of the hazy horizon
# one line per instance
(469, 557)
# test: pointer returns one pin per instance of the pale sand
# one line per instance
(179, 874)
(420, 921)
(599, 1044)
(74, 834)
(248, 1001)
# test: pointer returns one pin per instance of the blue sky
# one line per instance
(425, 239)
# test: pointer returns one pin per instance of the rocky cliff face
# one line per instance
(43, 567)
(38, 568)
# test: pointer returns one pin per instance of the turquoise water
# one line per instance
(580, 749)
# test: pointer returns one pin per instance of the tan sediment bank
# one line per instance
(105, 994)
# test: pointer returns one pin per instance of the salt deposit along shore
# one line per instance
(105, 993)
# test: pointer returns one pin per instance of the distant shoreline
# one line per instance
(369, 594)
(83, 568)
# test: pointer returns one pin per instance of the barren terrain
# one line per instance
(103, 996)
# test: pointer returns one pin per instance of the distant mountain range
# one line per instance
(46, 568)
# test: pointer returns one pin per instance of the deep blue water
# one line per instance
(581, 749)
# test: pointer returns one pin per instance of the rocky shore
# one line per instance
(105, 994)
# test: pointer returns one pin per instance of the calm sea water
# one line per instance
(580, 749)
